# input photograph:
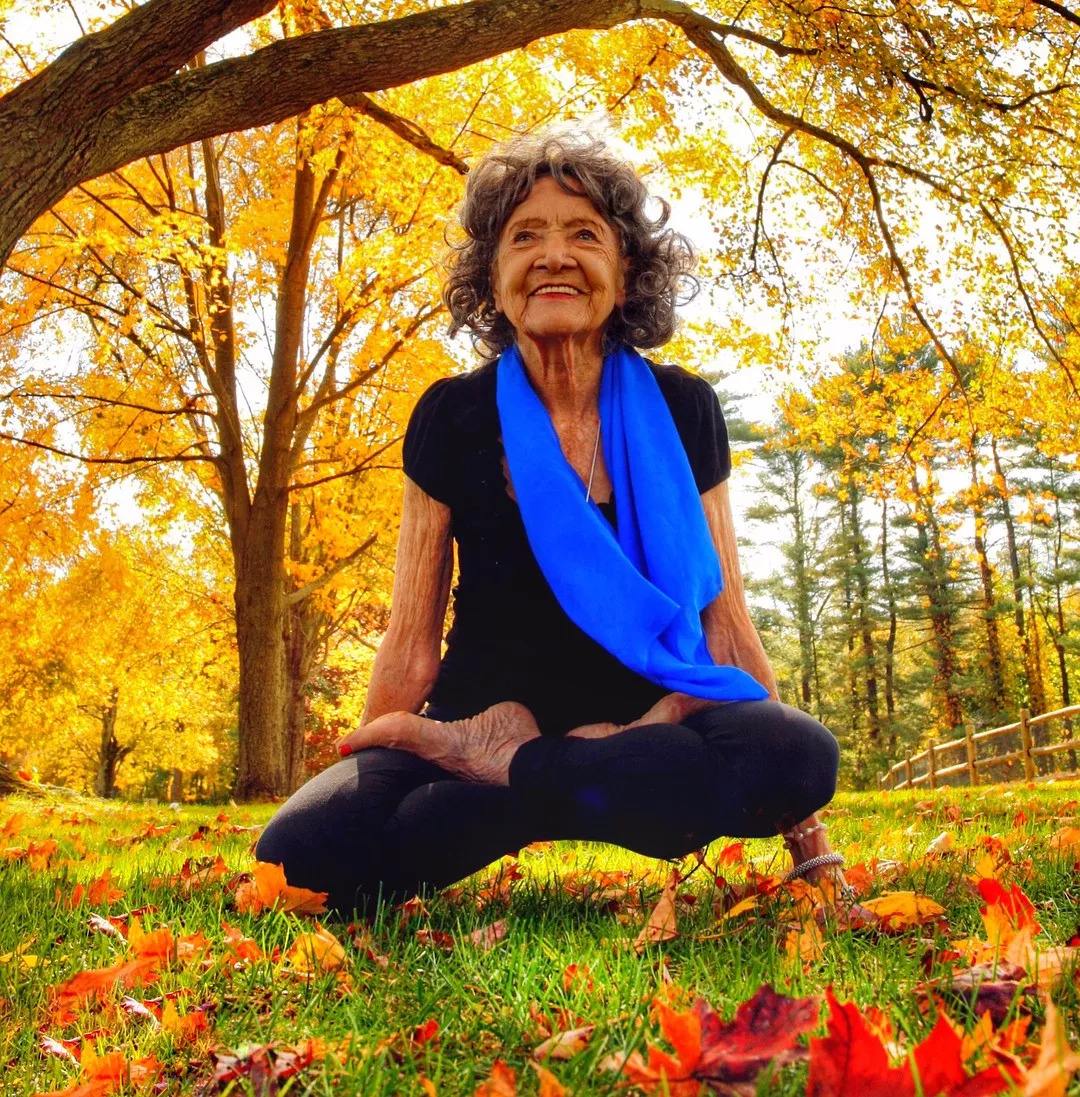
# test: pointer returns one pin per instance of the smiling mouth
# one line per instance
(556, 291)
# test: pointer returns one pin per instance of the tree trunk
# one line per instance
(868, 656)
(890, 639)
(111, 752)
(854, 704)
(932, 568)
(1036, 695)
(995, 666)
(801, 567)
(260, 637)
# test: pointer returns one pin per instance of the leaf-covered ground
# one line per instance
(143, 951)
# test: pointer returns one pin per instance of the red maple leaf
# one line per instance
(764, 1031)
(1017, 907)
(851, 1061)
(708, 1050)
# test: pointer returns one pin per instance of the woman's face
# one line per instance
(558, 271)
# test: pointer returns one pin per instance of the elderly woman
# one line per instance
(602, 678)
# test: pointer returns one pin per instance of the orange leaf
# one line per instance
(502, 1082)
(683, 1032)
(158, 943)
(315, 952)
(267, 890)
(183, 1028)
(550, 1086)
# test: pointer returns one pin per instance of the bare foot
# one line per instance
(672, 708)
(478, 749)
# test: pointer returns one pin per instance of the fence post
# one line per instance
(1025, 744)
(931, 763)
(908, 772)
(969, 742)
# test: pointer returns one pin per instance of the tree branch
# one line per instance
(147, 460)
(347, 472)
(1059, 9)
(308, 589)
(187, 409)
(407, 130)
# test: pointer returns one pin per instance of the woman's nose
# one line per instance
(555, 254)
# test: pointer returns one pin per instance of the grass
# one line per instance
(486, 1001)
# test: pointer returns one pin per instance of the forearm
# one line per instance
(396, 685)
(734, 641)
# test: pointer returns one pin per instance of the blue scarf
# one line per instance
(638, 593)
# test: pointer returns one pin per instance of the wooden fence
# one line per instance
(935, 765)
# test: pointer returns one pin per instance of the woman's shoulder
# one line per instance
(459, 397)
(684, 391)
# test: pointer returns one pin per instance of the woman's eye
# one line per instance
(520, 235)
(588, 233)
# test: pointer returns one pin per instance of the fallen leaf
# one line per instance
(550, 1086)
(661, 923)
(438, 938)
(502, 1082)
(899, 910)
(184, 1028)
(425, 1033)
(942, 843)
(991, 987)
(851, 1061)
(763, 1031)
(267, 889)
(265, 1065)
(1049, 1075)
(565, 1045)
(67, 998)
(315, 952)
(1066, 840)
(487, 937)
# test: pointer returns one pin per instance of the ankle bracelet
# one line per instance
(820, 861)
(796, 835)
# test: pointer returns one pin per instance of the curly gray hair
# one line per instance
(660, 260)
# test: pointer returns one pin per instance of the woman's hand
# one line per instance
(478, 749)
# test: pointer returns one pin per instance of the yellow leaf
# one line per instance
(314, 952)
(899, 910)
(1056, 1062)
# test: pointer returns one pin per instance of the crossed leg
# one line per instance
(385, 821)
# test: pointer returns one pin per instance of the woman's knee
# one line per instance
(808, 757)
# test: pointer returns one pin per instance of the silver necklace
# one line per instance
(592, 469)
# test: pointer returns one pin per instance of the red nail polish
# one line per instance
(344, 749)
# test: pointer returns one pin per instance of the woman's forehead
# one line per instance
(549, 203)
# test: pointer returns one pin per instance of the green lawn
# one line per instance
(490, 999)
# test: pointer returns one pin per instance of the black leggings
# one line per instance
(384, 821)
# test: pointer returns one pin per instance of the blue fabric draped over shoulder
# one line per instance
(637, 592)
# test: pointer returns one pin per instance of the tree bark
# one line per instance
(260, 638)
(1036, 695)
(994, 663)
(930, 560)
(111, 99)
(111, 752)
(866, 633)
(890, 639)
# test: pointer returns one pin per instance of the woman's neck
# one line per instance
(565, 374)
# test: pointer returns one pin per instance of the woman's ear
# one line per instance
(624, 276)
(494, 281)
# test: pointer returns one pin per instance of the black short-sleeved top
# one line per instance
(510, 639)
